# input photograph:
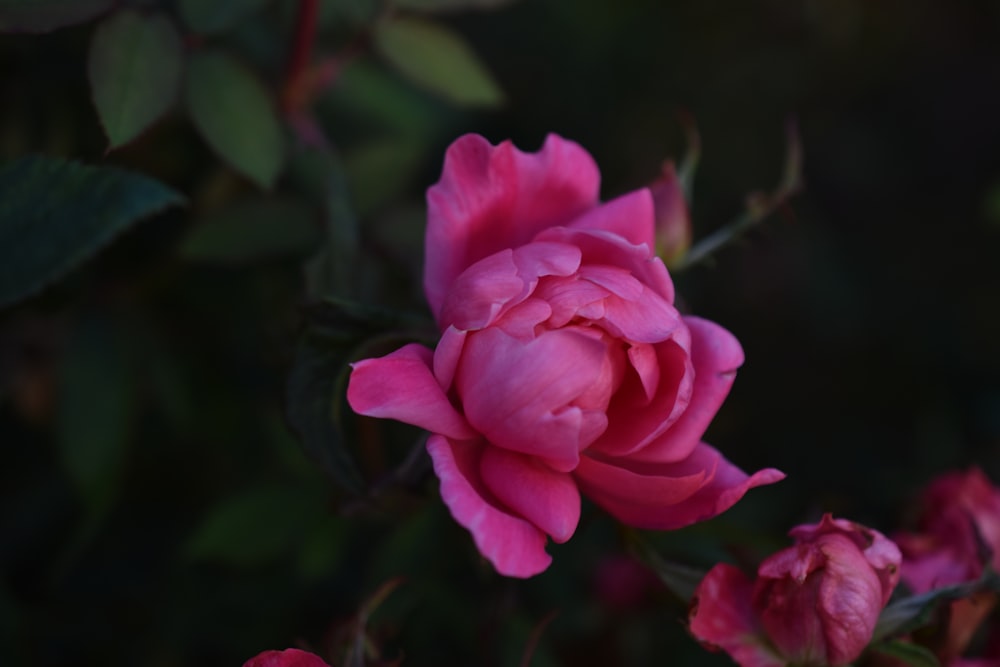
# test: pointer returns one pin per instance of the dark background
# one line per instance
(869, 318)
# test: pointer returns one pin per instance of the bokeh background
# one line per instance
(870, 317)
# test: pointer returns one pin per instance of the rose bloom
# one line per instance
(959, 527)
(291, 657)
(814, 603)
(563, 366)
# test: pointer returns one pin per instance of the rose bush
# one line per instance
(563, 366)
(814, 603)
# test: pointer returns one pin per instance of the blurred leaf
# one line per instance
(217, 15)
(912, 612)
(436, 58)
(323, 549)
(259, 228)
(317, 384)
(316, 387)
(45, 15)
(681, 580)
(908, 652)
(135, 67)
(255, 527)
(96, 403)
(54, 214)
(321, 174)
(381, 170)
(236, 116)
(450, 5)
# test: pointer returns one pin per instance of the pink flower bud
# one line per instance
(814, 603)
(291, 657)
(673, 221)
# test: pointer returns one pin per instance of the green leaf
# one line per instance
(908, 652)
(450, 5)
(255, 527)
(234, 113)
(340, 333)
(255, 229)
(95, 409)
(45, 15)
(217, 15)
(54, 214)
(135, 68)
(681, 580)
(913, 612)
(437, 59)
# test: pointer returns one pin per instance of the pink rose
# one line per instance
(291, 657)
(563, 366)
(961, 512)
(814, 603)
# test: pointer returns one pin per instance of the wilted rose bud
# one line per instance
(814, 603)
(673, 221)
(292, 657)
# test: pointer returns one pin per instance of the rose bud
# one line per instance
(291, 657)
(564, 369)
(814, 603)
(673, 220)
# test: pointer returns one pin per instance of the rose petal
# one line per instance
(401, 386)
(515, 546)
(721, 616)
(519, 394)
(607, 248)
(447, 355)
(484, 290)
(715, 355)
(629, 216)
(546, 498)
(491, 198)
(666, 496)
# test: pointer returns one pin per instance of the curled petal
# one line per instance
(494, 197)
(629, 216)
(722, 617)
(515, 546)
(666, 496)
(520, 396)
(715, 356)
(545, 497)
(402, 386)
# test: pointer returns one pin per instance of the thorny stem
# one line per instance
(759, 207)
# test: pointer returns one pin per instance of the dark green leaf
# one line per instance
(908, 652)
(681, 580)
(261, 228)
(54, 214)
(45, 15)
(135, 67)
(255, 527)
(96, 403)
(910, 613)
(236, 116)
(217, 15)
(435, 58)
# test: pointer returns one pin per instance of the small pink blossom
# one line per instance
(563, 366)
(673, 220)
(291, 657)
(814, 603)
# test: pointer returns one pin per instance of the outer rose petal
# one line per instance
(668, 496)
(721, 616)
(515, 546)
(715, 354)
(547, 498)
(492, 198)
(292, 657)
(402, 386)
(630, 216)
